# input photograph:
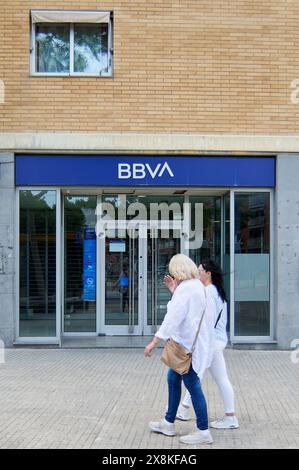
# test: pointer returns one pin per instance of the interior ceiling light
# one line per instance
(120, 191)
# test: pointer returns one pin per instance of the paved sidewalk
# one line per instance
(104, 399)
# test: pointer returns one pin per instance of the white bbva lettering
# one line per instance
(151, 172)
(124, 171)
(166, 167)
(138, 171)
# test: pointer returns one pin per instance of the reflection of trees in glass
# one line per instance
(53, 48)
(211, 246)
(73, 213)
(91, 48)
(251, 221)
(37, 245)
(242, 218)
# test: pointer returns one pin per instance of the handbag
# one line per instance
(176, 356)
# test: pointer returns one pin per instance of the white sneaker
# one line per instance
(227, 422)
(198, 437)
(183, 413)
(163, 427)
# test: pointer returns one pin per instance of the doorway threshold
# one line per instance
(103, 342)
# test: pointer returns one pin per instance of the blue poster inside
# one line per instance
(89, 265)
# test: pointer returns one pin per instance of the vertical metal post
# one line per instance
(27, 261)
(232, 265)
(59, 266)
(156, 279)
(222, 230)
(131, 281)
(47, 264)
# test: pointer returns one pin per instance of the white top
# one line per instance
(182, 319)
(220, 329)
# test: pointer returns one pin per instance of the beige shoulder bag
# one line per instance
(175, 356)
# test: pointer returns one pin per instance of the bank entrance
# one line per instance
(115, 263)
(95, 234)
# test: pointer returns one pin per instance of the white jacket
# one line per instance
(220, 330)
(182, 319)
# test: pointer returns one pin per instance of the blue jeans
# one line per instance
(192, 384)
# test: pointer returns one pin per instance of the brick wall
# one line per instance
(197, 66)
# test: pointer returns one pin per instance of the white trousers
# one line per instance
(219, 374)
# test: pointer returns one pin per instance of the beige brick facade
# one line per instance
(179, 66)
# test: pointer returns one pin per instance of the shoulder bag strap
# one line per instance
(198, 329)
(218, 318)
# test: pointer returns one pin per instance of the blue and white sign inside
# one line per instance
(89, 265)
(142, 170)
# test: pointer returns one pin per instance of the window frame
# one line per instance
(235, 339)
(71, 73)
(38, 339)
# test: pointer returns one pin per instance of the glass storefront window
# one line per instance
(211, 229)
(124, 207)
(126, 261)
(80, 264)
(37, 264)
(252, 264)
(160, 207)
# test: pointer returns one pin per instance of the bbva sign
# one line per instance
(141, 170)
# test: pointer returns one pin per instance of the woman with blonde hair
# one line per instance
(184, 311)
(211, 276)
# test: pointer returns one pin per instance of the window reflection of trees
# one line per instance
(252, 223)
(90, 48)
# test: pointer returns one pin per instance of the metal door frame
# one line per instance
(118, 330)
(179, 225)
(142, 328)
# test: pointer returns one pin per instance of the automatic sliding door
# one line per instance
(159, 252)
(121, 284)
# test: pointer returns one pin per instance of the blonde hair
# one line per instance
(182, 268)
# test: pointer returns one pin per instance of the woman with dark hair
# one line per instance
(211, 276)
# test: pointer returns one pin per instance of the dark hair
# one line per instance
(217, 276)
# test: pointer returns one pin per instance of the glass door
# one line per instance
(135, 266)
(121, 310)
(159, 252)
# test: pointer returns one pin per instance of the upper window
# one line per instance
(71, 43)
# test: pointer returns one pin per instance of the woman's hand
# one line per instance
(170, 283)
(148, 350)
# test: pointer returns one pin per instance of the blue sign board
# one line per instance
(143, 170)
(89, 265)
